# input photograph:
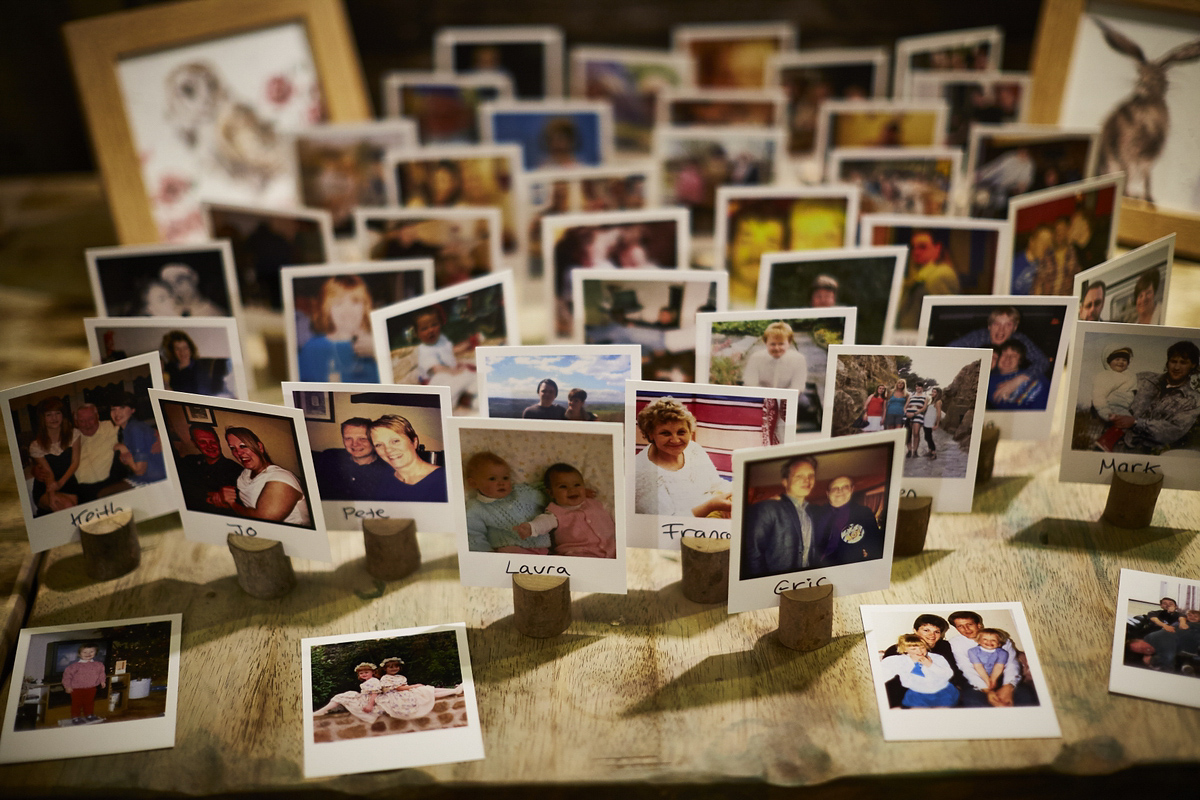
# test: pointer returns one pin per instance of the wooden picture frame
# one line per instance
(1051, 63)
(97, 45)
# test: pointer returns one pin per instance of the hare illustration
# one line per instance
(1135, 131)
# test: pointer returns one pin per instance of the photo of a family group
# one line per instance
(812, 513)
(200, 355)
(1134, 392)
(238, 466)
(970, 669)
(678, 457)
(764, 348)
(1028, 338)
(582, 383)
(899, 180)
(327, 315)
(86, 439)
(1156, 640)
(361, 689)
(78, 680)
(163, 280)
(935, 395)
(1129, 288)
(539, 495)
(431, 339)
(645, 308)
(376, 448)
(867, 279)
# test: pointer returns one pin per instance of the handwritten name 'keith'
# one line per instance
(95, 513)
(1111, 463)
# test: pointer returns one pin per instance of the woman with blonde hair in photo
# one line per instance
(396, 442)
(674, 475)
(343, 350)
(264, 490)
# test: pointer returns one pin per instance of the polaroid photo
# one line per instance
(811, 77)
(201, 355)
(685, 107)
(655, 309)
(974, 97)
(956, 646)
(474, 176)
(1156, 638)
(1057, 233)
(83, 448)
(880, 123)
(264, 241)
(531, 55)
(975, 49)
(413, 682)
(642, 239)
(1028, 337)
(1133, 404)
(866, 278)
(444, 106)
(340, 166)
(1129, 288)
(777, 349)
(910, 180)
(164, 280)
(946, 255)
(784, 539)
(1004, 161)
(327, 314)
(694, 162)
(628, 79)
(431, 339)
(378, 451)
(752, 221)
(539, 497)
(74, 678)
(264, 487)
(679, 445)
(935, 395)
(732, 55)
(632, 185)
(552, 134)
(578, 382)
(463, 243)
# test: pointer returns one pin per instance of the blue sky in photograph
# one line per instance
(601, 376)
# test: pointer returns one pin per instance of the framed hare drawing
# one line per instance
(1131, 69)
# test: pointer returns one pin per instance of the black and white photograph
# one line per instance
(164, 280)
(531, 56)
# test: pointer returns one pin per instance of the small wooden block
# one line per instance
(806, 617)
(110, 546)
(912, 523)
(987, 453)
(1131, 499)
(392, 551)
(705, 569)
(541, 604)
(263, 570)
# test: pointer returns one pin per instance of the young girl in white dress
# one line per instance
(404, 700)
(361, 703)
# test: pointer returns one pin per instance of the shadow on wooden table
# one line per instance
(1153, 543)
(998, 494)
(905, 569)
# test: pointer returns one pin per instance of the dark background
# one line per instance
(42, 129)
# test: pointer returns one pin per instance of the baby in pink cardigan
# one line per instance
(585, 528)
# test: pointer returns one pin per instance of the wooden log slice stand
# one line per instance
(705, 564)
(392, 551)
(912, 524)
(541, 604)
(806, 617)
(263, 569)
(1131, 499)
(110, 546)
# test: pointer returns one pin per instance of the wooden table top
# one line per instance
(644, 689)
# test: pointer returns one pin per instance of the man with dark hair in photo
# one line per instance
(1166, 406)
(1091, 300)
(787, 533)
(202, 476)
(545, 407)
(1012, 691)
(352, 471)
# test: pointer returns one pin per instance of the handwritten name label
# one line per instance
(803, 583)
(350, 512)
(90, 514)
(241, 530)
(537, 569)
(1111, 463)
(670, 529)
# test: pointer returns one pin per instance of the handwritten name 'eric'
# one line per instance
(803, 583)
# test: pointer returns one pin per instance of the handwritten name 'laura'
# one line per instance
(95, 513)
(536, 569)
(1111, 463)
(670, 529)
